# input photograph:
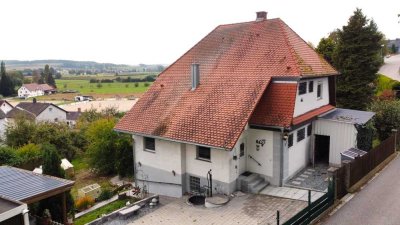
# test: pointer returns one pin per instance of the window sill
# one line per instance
(204, 160)
(319, 98)
(149, 150)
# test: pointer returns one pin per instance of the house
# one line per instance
(73, 116)
(40, 112)
(243, 103)
(34, 89)
(13, 212)
(395, 43)
(5, 106)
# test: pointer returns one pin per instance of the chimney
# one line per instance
(262, 15)
(34, 100)
(195, 75)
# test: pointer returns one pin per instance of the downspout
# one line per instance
(134, 158)
(281, 159)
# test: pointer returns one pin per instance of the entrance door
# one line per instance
(242, 157)
(321, 149)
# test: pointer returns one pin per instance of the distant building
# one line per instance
(5, 107)
(40, 112)
(396, 44)
(34, 89)
(73, 116)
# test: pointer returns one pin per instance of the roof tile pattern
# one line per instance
(35, 86)
(276, 106)
(237, 62)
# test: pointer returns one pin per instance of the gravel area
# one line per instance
(314, 178)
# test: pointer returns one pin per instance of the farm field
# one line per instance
(87, 88)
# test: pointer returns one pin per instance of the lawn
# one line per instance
(85, 87)
(384, 83)
(100, 211)
(84, 177)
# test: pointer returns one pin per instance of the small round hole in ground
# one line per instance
(197, 200)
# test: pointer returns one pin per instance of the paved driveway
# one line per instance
(391, 67)
(377, 203)
(247, 209)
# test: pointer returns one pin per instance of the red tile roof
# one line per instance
(237, 62)
(276, 106)
(311, 114)
(35, 86)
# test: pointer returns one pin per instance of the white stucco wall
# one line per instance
(299, 153)
(3, 125)
(24, 92)
(342, 137)
(309, 101)
(264, 154)
(52, 115)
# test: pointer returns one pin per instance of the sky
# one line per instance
(160, 31)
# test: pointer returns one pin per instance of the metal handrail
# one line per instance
(251, 157)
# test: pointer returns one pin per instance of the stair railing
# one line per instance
(251, 157)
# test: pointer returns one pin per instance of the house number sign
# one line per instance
(260, 143)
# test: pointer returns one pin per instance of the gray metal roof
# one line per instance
(353, 153)
(349, 116)
(19, 185)
(7, 204)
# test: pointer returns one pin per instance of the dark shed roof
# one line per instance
(8, 204)
(26, 186)
(349, 116)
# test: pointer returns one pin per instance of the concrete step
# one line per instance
(259, 187)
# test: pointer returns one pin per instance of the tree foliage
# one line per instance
(6, 84)
(326, 47)
(387, 117)
(109, 152)
(358, 56)
(51, 161)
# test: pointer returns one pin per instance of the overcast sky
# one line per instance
(159, 31)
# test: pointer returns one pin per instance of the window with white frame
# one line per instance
(302, 88)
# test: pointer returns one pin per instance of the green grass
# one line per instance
(85, 87)
(384, 83)
(100, 211)
(80, 163)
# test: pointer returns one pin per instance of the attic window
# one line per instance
(302, 88)
(149, 144)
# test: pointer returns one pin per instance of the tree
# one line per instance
(36, 76)
(326, 47)
(20, 132)
(387, 117)
(51, 161)
(47, 76)
(358, 57)
(6, 85)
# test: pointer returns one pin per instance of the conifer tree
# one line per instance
(358, 57)
(6, 85)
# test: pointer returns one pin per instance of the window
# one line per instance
(300, 134)
(203, 153)
(194, 183)
(309, 130)
(302, 88)
(290, 140)
(149, 144)
(241, 149)
(319, 90)
(50, 109)
(311, 87)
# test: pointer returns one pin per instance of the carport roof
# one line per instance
(348, 116)
(28, 187)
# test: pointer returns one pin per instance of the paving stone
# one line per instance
(307, 172)
(296, 182)
(299, 179)
(304, 175)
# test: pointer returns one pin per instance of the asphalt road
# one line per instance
(377, 203)
(391, 68)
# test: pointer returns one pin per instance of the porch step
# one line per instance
(253, 183)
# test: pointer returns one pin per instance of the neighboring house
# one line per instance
(5, 106)
(40, 112)
(34, 89)
(13, 212)
(72, 117)
(395, 43)
(247, 99)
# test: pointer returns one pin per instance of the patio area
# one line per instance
(243, 209)
(312, 178)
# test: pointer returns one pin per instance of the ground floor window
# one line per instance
(300, 134)
(241, 149)
(194, 184)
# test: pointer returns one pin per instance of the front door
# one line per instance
(321, 149)
(242, 157)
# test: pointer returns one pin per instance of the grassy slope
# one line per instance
(84, 87)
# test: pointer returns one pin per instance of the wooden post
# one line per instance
(64, 208)
(394, 131)
(309, 197)
(346, 164)
(277, 217)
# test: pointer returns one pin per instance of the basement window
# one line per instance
(203, 153)
(290, 140)
(302, 88)
(301, 134)
(149, 144)
(194, 184)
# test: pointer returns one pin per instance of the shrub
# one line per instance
(8, 156)
(84, 203)
(146, 84)
(387, 117)
(105, 194)
(29, 152)
(136, 84)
